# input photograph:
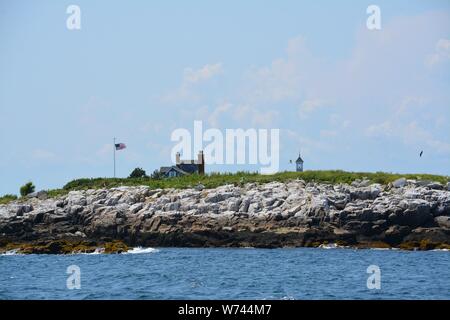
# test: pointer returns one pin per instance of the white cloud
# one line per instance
(104, 150)
(282, 79)
(307, 144)
(192, 77)
(220, 110)
(441, 53)
(243, 115)
(206, 72)
(309, 106)
(248, 114)
(405, 125)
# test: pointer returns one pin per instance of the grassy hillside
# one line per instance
(215, 179)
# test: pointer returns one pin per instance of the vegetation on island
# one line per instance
(212, 180)
(27, 188)
(7, 198)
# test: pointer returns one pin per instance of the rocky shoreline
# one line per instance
(407, 214)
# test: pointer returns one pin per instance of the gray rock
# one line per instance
(435, 185)
(443, 221)
(80, 234)
(41, 195)
(415, 217)
(233, 205)
(368, 215)
(395, 234)
(199, 187)
(136, 207)
(244, 205)
(215, 197)
(399, 183)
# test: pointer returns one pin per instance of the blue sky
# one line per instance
(348, 97)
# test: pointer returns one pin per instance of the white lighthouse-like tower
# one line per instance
(299, 163)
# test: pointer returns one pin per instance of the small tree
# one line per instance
(27, 189)
(138, 173)
(157, 175)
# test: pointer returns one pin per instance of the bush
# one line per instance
(27, 189)
(7, 198)
(138, 173)
(157, 175)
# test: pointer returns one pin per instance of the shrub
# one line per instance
(157, 175)
(137, 173)
(27, 189)
(7, 198)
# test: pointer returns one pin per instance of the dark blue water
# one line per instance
(229, 274)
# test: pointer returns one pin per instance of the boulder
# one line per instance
(435, 235)
(199, 187)
(435, 185)
(415, 217)
(399, 183)
(395, 234)
(41, 195)
(443, 221)
(368, 215)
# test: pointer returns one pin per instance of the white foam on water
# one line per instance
(139, 250)
(96, 251)
(13, 252)
(331, 246)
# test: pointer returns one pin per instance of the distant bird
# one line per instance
(421, 153)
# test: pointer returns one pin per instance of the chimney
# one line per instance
(201, 162)
(178, 161)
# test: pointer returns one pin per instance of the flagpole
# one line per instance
(114, 146)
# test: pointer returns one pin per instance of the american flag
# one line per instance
(120, 146)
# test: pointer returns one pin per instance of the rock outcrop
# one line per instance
(405, 214)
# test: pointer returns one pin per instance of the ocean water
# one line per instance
(186, 273)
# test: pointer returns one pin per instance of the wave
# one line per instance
(136, 250)
(331, 246)
(139, 250)
(13, 252)
(96, 251)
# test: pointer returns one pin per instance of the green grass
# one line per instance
(213, 180)
(217, 179)
(7, 198)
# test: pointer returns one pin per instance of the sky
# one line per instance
(347, 97)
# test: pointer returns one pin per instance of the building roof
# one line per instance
(189, 167)
(299, 159)
(165, 170)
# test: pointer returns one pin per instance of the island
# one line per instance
(307, 209)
